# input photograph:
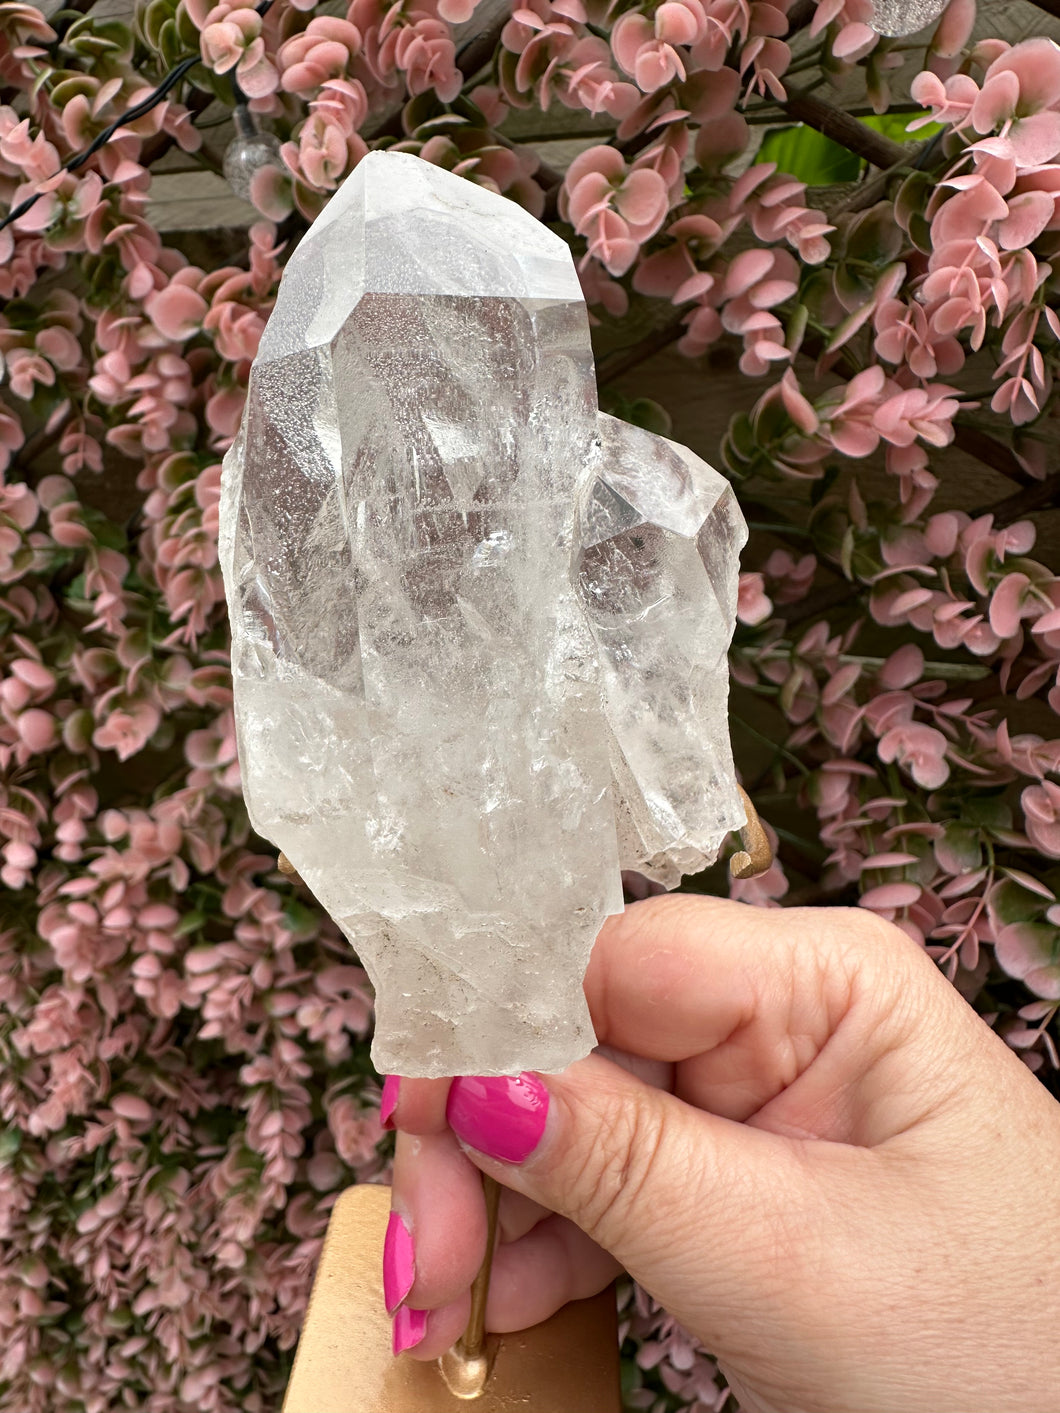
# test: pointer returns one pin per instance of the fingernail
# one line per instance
(409, 1328)
(503, 1117)
(399, 1265)
(388, 1102)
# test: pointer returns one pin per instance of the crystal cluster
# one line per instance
(479, 628)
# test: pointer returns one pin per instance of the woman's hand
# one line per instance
(826, 1167)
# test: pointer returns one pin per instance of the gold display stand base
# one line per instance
(344, 1364)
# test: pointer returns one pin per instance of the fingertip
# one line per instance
(408, 1330)
(414, 1105)
(443, 1327)
(439, 1194)
(388, 1101)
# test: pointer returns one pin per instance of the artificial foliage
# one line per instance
(184, 1073)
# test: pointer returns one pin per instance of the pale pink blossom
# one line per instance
(920, 749)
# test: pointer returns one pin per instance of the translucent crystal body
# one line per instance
(476, 624)
(898, 17)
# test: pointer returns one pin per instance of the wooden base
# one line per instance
(344, 1363)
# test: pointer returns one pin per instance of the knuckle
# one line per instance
(615, 1168)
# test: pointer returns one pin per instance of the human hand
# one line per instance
(845, 1185)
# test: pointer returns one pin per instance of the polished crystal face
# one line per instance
(479, 630)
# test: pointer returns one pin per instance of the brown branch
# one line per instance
(973, 441)
(40, 442)
(867, 193)
(622, 360)
(832, 596)
(1038, 495)
(479, 51)
(800, 15)
(842, 128)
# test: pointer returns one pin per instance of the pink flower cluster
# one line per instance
(186, 1089)
(988, 215)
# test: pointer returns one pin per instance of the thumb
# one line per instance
(671, 1191)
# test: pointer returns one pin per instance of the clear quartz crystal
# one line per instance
(479, 629)
(895, 18)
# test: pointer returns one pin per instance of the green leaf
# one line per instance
(301, 920)
(796, 327)
(809, 156)
(1010, 902)
(639, 411)
(988, 811)
(1032, 885)
(190, 922)
(96, 38)
(70, 85)
(896, 126)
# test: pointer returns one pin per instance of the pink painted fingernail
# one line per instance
(503, 1117)
(388, 1102)
(399, 1265)
(409, 1328)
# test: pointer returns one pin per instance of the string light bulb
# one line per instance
(248, 152)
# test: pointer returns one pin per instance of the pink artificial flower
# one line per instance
(918, 748)
(703, 327)
(25, 370)
(766, 58)
(1021, 96)
(753, 604)
(231, 39)
(666, 271)
(852, 425)
(322, 51)
(424, 50)
(127, 730)
(1041, 813)
(1028, 952)
(617, 209)
(789, 579)
(755, 283)
(599, 289)
(646, 49)
(926, 413)
(322, 154)
(904, 334)
(176, 311)
(356, 1131)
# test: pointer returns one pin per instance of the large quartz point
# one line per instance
(479, 630)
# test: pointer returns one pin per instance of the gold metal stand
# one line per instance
(344, 1364)
(756, 855)
(466, 1367)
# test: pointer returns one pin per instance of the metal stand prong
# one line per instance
(466, 1367)
(756, 855)
(287, 868)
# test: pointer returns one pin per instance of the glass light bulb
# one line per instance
(247, 153)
